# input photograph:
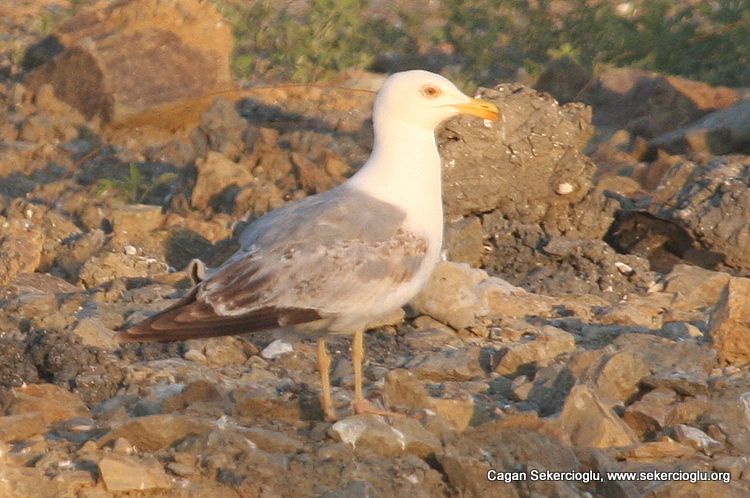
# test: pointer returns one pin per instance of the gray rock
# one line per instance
(224, 351)
(736, 466)
(76, 251)
(154, 432)
(702, 489)
(22, 426)
(730, 418)
(520, 255)
(372, 433)
(664, 355)
(708, 202)
(520, 388)
(199, 392)
(419, 441)
(187, 49)
(53, 403)
(586, 421)
(464, 241)
(450, 296)
(125, 473)
(21, 244)
(517, 165)
(664, 450)
(276, 348)
(93, 332)
(181, 469)
(550, 388)
(17, 368)
(650, 414)
(130, 222)
(273, 441)
(447, 364)
(352, 488)
(111, 265)
(545, 346)
(649, 104)
(721, 132)
(616, 376)
(403, 389)
(504, 447)
(468, 474)
(431, 336)
(687, 383)
(730, 323)
(266, 402)
(688, 411)
(217, 173)
(697, 439)
(221, 129)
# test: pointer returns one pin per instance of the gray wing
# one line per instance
(341, 277)
(337, 253)
(340, 213)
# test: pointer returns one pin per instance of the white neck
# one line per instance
(404, 169)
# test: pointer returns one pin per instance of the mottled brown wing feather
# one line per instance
(191, 319)
(341, 277)
(306, 262)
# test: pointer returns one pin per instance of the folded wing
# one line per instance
(299, 267)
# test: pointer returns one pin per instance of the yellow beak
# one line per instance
(479, 108)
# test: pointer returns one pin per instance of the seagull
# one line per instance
(334, 262)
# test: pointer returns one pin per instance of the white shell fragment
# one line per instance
(276, 349)
(624, 268)
(564, 188)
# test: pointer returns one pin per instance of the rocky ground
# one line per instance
(592, 314)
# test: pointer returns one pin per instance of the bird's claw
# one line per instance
(362, 407)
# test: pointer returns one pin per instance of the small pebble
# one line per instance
(180, 469)
(276, 349)
(564, 188)
(624, 268)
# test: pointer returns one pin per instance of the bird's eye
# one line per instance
(430, 91)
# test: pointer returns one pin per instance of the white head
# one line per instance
(425, 100)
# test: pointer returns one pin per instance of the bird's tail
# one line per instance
(190, 318)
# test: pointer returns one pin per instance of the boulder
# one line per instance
(586, 421)
(650, 104)
(21, 245)
(459, 295)
(216, 175)
(721, 132)
(529, 165)
(707, 203)
(125, 473)
(155, 432)
(97, 61)
(549, 343)
(730, 323)
(564, 78)
(53, 403)
(372, 433)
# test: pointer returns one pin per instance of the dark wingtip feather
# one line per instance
(146, 331)
(191, 319)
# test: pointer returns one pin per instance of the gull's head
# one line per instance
(425, 100)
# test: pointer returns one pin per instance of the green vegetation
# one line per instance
(136, 186)
(705, 41)
(307, 43)
(312, 40)
(493, 38)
